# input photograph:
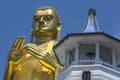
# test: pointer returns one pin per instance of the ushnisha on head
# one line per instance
(46, 23)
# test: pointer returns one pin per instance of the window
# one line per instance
(87, 52)
(86, 75)
(106, 54)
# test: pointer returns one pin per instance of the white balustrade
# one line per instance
(106, 64)
(92, 62)
(86, 62)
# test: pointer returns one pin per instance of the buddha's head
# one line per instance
(46, 23)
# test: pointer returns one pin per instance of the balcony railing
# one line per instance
(86, 62)
(92, 62)
(106, 64)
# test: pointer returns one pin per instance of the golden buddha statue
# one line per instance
(36, 60)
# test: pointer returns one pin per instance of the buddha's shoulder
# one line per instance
(37, 45)
(30, 45)
(34, 45)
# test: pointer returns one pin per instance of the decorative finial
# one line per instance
(92, 11)
(91, 24)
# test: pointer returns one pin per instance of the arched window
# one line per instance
(86, 75)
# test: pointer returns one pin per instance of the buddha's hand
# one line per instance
(16, 51)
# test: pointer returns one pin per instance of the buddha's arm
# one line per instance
(9, 70)
(13, 57)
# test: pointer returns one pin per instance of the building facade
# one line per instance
(90, 55)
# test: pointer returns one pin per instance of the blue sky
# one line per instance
(16, 19)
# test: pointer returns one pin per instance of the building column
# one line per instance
(66, 59)
(97, 55)
(65, 52)
(113, 58)
(76, 53)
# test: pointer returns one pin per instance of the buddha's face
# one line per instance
(45, 23)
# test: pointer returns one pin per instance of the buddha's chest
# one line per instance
(31, 69)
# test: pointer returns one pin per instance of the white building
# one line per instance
(90, 55)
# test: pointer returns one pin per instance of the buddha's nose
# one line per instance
(42, 21)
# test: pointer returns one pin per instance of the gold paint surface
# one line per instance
(36, 60)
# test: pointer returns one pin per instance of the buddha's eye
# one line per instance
(36, 18)
(49, 17)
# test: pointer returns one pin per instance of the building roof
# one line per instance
(83, 34)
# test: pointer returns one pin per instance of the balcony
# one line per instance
(93, 62)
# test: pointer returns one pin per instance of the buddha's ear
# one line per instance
(59, 26)
(31, 36)
(58, 31)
